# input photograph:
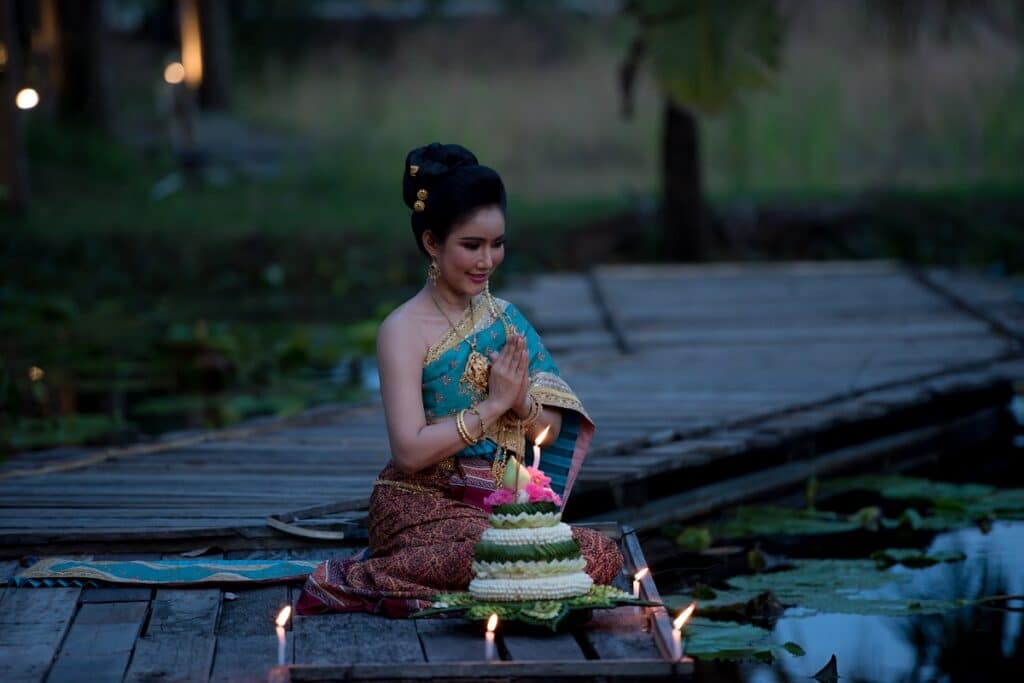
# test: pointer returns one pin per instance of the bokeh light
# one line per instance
(174, 73)
(27, 98)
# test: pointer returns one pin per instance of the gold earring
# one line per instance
(433, 272)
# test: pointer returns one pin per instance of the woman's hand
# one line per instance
(510, 374)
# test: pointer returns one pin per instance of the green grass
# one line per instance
(100, 281)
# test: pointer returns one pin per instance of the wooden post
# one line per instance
(215, 47)
(13, 165)
(683, 220)
(84, 86)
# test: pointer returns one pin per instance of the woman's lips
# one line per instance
(478, 278)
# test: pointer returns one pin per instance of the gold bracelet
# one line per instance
(464, 427)
(531, 417)
(461, 427)
(460, 424)
(483, 427)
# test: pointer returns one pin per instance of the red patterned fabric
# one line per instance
(421, 544)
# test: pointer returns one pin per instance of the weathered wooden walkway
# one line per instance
(762, 374)
(710, 385)
(140, 634)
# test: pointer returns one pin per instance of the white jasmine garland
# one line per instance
(528, 569)
(544, 588)
(529, 536)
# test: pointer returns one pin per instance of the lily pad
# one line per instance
(694, 539)
(913, 558)
(949, 505)
(834, 586)
(770, 520)
(897, 487)
(710, 640)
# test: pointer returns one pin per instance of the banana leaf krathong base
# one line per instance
(551, 614)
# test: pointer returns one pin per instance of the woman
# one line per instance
(467, 386)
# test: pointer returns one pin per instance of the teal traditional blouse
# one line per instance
(448, 387)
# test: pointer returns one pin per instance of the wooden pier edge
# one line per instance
(661, 624)
(620, 669)
(627, 669)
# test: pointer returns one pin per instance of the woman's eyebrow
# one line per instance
(480, 239)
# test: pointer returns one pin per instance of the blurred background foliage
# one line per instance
(192, 258)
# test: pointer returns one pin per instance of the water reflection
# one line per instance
(973, 643)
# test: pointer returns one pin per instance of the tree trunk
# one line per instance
(214, 32)
(85, 86)
(13, 164)
(684, 222)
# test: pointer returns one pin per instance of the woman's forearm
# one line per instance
(549, 418)
(435, 442)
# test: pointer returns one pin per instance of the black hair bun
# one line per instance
(431, 163)
(445, 184)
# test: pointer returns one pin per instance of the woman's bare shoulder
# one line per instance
(400, 330)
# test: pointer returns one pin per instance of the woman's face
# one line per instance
(472, 251)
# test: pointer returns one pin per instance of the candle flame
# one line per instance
(678, 622)
(641, 574)
(27, 98)
(284, 615)
(543, 435)
(492, 623)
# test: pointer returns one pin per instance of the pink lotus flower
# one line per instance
(539, 493)
(537, 476)
(499, 497)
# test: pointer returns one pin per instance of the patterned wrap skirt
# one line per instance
(421, 544)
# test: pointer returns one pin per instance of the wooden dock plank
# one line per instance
(33, 622)
(548, 647)
(332, 638)
(179, 642)
(622, 633)
(247, 643)
(100, 642)
(452, 640)
(103, 594)
(719, 355)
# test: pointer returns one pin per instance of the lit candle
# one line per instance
(677, 631)
(282, 619)
(490, 653)
(636, 581)
(536, 447)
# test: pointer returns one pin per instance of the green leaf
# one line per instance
(710, 640)
(793, 648)
(547, 613)
(831, 586)
(702, 592)
(914, 558)
(487, 551)
(528, 508)
(910, 488)
(769, 520)
(706, 54)
(910, 519)
(694, 539)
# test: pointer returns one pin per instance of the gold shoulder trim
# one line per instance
(474, 318)
(552, 390)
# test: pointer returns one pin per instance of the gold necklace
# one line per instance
(455, 331)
